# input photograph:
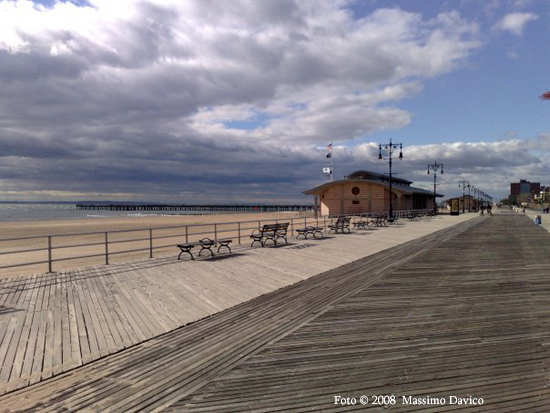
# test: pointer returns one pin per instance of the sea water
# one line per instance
(55, 211)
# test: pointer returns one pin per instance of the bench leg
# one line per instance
(189, 252)
(207, 249)
(226, 246)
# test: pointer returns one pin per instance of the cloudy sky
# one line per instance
(236, 100)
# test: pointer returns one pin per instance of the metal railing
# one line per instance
(50, 249)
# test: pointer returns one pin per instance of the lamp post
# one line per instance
(469, 198)
(390, 147)
(435, 167)
(465, 184)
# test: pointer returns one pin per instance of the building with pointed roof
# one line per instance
(365, 192)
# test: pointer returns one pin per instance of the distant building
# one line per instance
(523, 191)
(466, 203)
(365, 191)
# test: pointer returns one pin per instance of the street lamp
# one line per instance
(390, 147)
(469, 197)
(435, 167)
(465, 184)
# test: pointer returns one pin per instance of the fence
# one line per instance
(40, 253)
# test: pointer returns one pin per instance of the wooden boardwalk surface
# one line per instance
(462, 312)
(52, 323)
(262, 354)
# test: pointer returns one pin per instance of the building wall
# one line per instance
(340, 199)
(472, 203)
(524, 187)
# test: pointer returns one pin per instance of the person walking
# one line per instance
(489, 210)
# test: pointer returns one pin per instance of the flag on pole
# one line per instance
(545, 96)
(329, 148)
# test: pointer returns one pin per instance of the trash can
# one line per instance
(538, 219)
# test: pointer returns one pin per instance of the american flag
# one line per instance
(329, 148)
(545, 96)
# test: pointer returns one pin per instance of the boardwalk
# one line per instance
(463, 312)
(53, 323)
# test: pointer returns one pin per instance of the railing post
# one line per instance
(50, 253)
(215, 234)
(150, 243)
(239, 231)
(186, 234)
(292, 227)
(106, 248)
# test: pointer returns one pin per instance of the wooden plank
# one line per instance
(37, 365)
(76, 322)
(26, 343)
(47, 369)
(90, 339)
(34, 333)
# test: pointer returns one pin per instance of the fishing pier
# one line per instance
(195, 207)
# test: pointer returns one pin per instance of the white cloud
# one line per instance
(515, 22)
(144, 95)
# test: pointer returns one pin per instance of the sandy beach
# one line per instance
(168, 230)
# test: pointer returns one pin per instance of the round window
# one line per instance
(355, 190)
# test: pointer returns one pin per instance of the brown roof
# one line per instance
(318, 190)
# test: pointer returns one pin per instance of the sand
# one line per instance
(167, 230)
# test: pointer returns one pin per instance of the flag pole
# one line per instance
(329, 155)
(331, 170)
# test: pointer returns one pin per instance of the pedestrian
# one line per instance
(489, 210)
(482, 209)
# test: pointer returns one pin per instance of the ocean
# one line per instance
(54, 211)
